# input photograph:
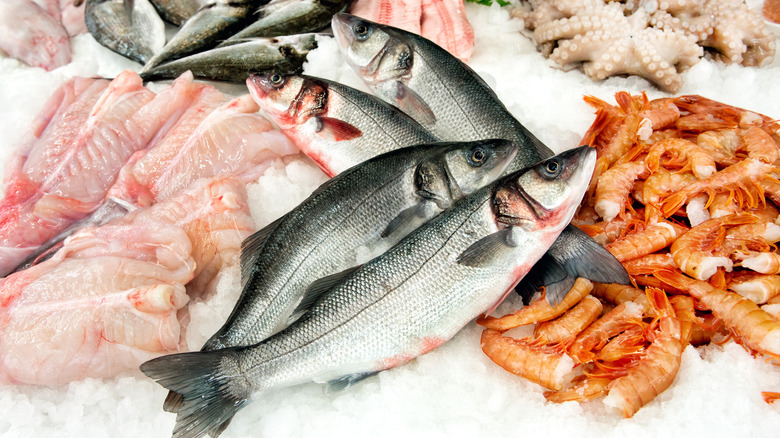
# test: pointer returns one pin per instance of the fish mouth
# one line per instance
(259, 85)
(342, 28)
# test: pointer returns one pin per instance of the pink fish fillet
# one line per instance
(84, 136)
(29, 34)
(215, 215)
(404, 14)
(73, 17)
(230, 140)
(103, 304)
(445, 23)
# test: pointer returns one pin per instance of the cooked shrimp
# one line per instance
(654, 237)
(583, 388)
(660, 185)
(751, 326)
(773, 310)
(539, 310)
(593, 338)
(698, 251)
(652, 374)
(686, 315)
(629, 343)
(684, 154)
(707, 114)
(761, 262)
(768, 231)
(760, 145)
(619, 293)
(661, 113)
(614, 187)
(541, 365)
(723, 204)
(565, 328)
(771, 189)
(770, 397)
(722, 145)
(648, 264)
(739, 176)
(758, 288)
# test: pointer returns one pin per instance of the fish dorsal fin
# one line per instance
(336, 130)
(345, 382)
(250, 249)
(549, 273)
(413, 105)
(411, 218)
(492, 248)
(317, 289)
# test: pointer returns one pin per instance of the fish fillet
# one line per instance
(32, 35)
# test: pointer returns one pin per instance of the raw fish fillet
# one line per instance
(85, 134)
(232, 139)
(397, 13)
(30, 34)
(103, 304)
(73, 17)
(215, 215)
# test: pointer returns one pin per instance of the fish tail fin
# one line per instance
(173, 402)
(210, 385)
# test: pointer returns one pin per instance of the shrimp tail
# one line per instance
(211, 395)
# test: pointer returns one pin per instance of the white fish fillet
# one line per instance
(30, 34)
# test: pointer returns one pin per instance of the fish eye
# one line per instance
(551, 169)
(478, 157)
(276, 80)
(361, 31)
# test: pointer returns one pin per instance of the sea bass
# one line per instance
(404, 303)
(138, 35)
(178, 11)
(234, 63)
(453, 102)
(335, 125)
(211, 24)
(288, 17)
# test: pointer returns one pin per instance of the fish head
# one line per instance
(546, 194)
(288, 99)
(465, 168)
(377, 52)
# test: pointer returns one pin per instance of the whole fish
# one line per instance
(211, 24)
(134, 31)
(287, 17)
(402, 304)
(178, 11)
(236, 62)
(367, 208)
(449, 99)
(335, 125)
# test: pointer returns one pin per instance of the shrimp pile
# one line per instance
(685, 194)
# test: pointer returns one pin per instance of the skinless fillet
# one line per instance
(105, 303)
(73, 17)
(33, 35)
(397, 13)
(87, 131)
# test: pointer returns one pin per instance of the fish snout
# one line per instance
(342, 28)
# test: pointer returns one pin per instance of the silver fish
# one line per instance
(366, 208)
(335, 125)
(236, 62)
(178, 11)
(453, 102)
(402, 304)
(129, 27)
(212, 23)
(287, 17)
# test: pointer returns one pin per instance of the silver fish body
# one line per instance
(452, 101)
(349, 214)
(236, 62)
(404, 303)
(138, 36)
(212, 23)
(335, 125)
(287, 17)
(178, 11)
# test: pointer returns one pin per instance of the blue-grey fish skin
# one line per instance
(409, 300)
(139, 38)
(178, 11)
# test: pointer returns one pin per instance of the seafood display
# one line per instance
(455, 267)
(661, 187)
(655, 40)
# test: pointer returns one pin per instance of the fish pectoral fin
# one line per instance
(411, 218)
(250, 249)
(337, 130)
(345, 382)
(129, 5)
(549, 273)
(484, 252)
(317, 289)
(583, 257)
(413, 105)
